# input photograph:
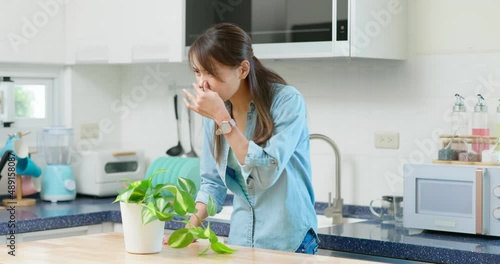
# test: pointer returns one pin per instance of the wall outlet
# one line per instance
(386, 140)
(89, 131)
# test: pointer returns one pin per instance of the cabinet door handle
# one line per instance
(479, 201)
(123, 153)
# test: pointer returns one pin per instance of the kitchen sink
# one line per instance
(323, 221)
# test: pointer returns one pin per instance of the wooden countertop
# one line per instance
(109, 248)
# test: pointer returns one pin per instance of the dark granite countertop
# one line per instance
(366, 237)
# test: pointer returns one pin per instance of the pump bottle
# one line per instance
(459, 119)
(480, 124)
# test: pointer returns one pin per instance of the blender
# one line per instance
(58, 183)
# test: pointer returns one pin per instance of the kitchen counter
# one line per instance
(109, 248)
(366, 237)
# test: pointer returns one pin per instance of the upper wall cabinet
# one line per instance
(464, 29)
(302, 29)
(124, 31)
(32, 31)
(379, 28)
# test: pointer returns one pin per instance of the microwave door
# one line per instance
(444, 198)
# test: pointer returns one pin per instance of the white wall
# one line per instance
(95, 89)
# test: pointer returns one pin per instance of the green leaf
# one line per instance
(206, 232)
(170, 188)
(164, 203)
(187, 185)
(143, 184)
(135, 192)
(163, 216)
(134, 184)
(124, 196)
(221, 248)
(184, 203)
(211, 206)
(180, 238)
(137, 195)
(139, 190)
(212, 237)
(197, 232)
(148, 213)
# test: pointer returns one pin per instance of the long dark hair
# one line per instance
(230, 45)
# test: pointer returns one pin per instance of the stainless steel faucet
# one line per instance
(335, 208)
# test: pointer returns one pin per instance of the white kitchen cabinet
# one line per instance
(157, 30)
(32, 32)
(124, 31)
(58, 233)
(89, 31)
(378, 29)
(466, 28)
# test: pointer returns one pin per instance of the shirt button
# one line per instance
(273, 161)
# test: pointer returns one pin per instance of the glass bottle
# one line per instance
(459, 119)
(480, 124)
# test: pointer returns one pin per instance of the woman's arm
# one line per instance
(199, 216)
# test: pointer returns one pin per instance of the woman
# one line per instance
(256, 144)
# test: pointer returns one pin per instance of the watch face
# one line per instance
(225, 127)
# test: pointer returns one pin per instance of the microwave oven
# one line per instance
(454, 198)
(303, 29)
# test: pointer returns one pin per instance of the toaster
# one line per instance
(101, 173)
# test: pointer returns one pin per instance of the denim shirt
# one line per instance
(273, 204)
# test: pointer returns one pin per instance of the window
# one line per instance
(30, 101)
(33, 101)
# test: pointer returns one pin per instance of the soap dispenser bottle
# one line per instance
(459, 119)
(480, 124)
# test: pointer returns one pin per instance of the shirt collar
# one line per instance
(251, 108)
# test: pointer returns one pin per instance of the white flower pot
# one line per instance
(139, 238)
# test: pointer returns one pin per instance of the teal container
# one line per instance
(175, 167)
(58, 183)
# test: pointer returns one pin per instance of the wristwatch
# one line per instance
(225, 127)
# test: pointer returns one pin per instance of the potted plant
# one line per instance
(145, 207)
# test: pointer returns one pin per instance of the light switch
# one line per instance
(89, 131)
